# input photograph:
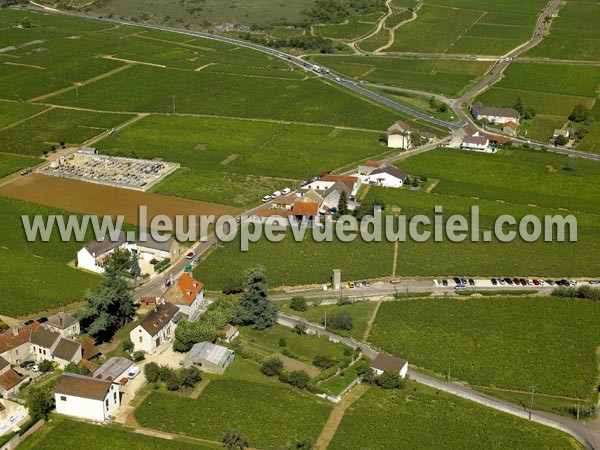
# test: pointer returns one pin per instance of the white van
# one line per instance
(133, 372)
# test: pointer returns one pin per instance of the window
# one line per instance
(63, 398)
(141, 339)
(106, 402)
(115, 396)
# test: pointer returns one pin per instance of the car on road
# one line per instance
(444, 282)
(357, 284)
(494, 282)
(286, 191)
(594, 282)
(366, 283)
(190, 255)
(471, 282)
(460, 287)
(266, 198)
(338, 79)
(456, 280)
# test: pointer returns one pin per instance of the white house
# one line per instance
(510, 128)
(92, 255)
(228, 333)
(477, 143)
(387, 363)
(494, 115)
(331, 197)
(50, 345)
(86, 397)
(64, 324)
(328, 181)
(399, 135)
(188, 294)
(158, 325)
(150, 249)
(387, 176)
(14, 343)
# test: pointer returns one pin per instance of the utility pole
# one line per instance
(578, 405)
(77, 92)
(174, 105)
(449, 364)
(325, 321)
(531, 405)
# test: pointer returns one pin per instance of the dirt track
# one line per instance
(90, 198)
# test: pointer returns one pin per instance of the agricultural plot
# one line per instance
(574, 35)
(25, 266)
(591, 143)
(512, 343)
(268, 416)
(421, 418)
(542, 127)
(466, 27)
(13, 163)
(376, 41)
(73, 127)
(444, 77)
(12, 112)
(360, 312)
(61, 433)
(353, 28)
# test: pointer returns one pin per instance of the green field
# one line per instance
(360, 313)
(574, 35)
(12, 112)
(35, 275)
(73, 127)
(513, 343)
(237, 162)
(542, 127)
(14, 163)
(354, 28)
(376, 41)
(591, 143)
(61, 433)
(467, 27)
(422, 418)
(445, 77)
(268, 416)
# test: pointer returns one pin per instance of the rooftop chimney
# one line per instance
(15, 331)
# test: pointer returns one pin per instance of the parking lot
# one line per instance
(128, 173)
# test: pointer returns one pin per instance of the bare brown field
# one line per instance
(96, 199)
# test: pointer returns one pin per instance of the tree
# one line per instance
(171, 381)
(135, 270)
(299, 379)
(127, 345)
(256, 308)
(271, 367)
(324, 362)
(108, 309)
(390, 380)
(46, 366)
(74, 368)
(190, 377)
(304, 444)
(233, 439)
(579, 114)
(39, 403)
(151, 372)
(528, 112)
(298, 304)
(341, 321)
(365, 372)
(189, 333)
(118, 261)
(300, 328)
(342, 206)
(561, 140)
(518, 105)
(582, 131)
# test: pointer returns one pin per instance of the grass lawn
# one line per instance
(511, 343)
(61, 433)
(422, 418)
(35, 274)
(360, 313)
(305, 347)
(13, 163)
(336, 385)
(268, 416)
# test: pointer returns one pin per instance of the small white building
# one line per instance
(86, 397)
(158, 325)
(150, 249)
(387, 363)
(476, 143)
(64, 324)
(209, 357)
(115, 369)
(188, 294)
(228, 333)
(91, 256)
(494, 115)
(399, 135)
(387, 176)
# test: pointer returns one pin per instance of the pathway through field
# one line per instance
(337, 414)
(370, 322)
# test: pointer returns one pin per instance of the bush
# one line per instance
(298, 304)
(46, 366)
(324, 362)
(282, 342)
(172, 381)
(390, 380)
(138, 356)
(299, 379)
(190, 377)
(151, 372)
(341, 321)
(271, 367)
(127, 345)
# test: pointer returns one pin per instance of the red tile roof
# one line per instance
(9, 340)
(511, 124)
(305, 209)
(272, 212)
(190, 287)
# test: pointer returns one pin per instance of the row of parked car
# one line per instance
(315, 178)
(537, 282)
(274, 195)
(40, 320)
(357, 284)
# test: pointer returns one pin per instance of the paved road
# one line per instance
(587, 433)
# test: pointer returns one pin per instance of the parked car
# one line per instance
(550, 281)
(357, 284)
(523, 281)
(350, 284)
(133, 372)
(266, 198)
(463, 281)
(542, 282)
(286, 191)
(276, 194)
(502, 281)
(594, 282)
(42, 320)
(456, 280)
(436, 282)
(27, 365)
(536, 282)
(366, 283)
(471, 282)
(494, 282)
(28, 322)
(35, 368)
(444, 282)
(508, 281)
(573, 282)
(190, 255)
(529, 282)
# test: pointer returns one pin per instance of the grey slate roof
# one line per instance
(62, 320)
(113, 368)
(66, 349)
(207, 351)
(100, 247)
(43, 337)
(391, 170)
(150, 242)
(388, 363)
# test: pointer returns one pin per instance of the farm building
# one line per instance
(64, 324)
(158, 326)
(92, 255)
(510, 128)
(477, 143)
(86, 397)
(115, 369)
(398, 135)
(209, 357)
(51, 346)
(388, 363)
(150, 249)
(188, 294)
(388, 176)
(229, 333)
(331, 196)
(494, 115)
(88, 151)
